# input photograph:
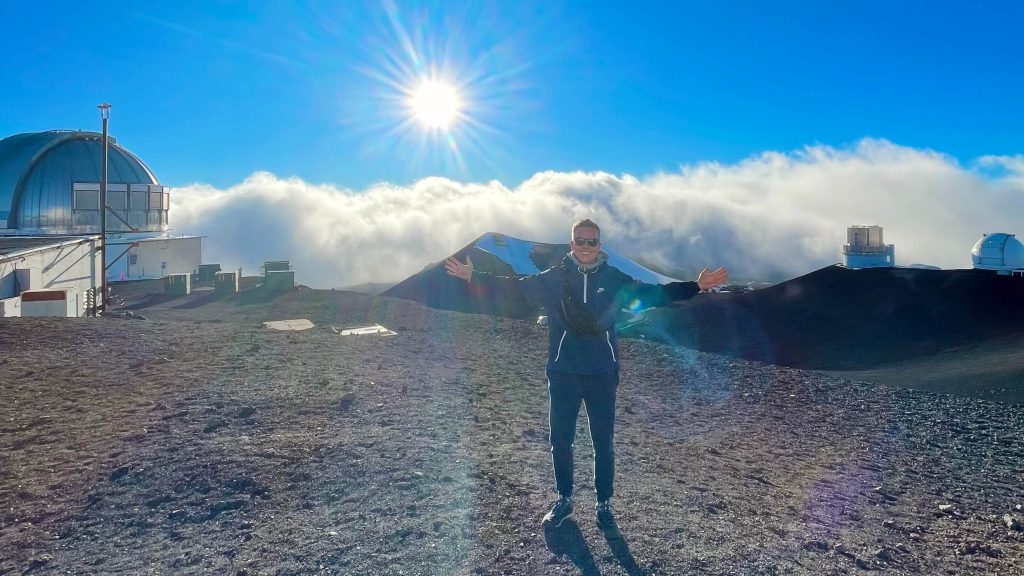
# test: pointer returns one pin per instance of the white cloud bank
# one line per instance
(772, 216)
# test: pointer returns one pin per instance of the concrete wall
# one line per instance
(10, 307)
(72, 265)
(155, 258)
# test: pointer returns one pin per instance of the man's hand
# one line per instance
(458, 269)
(708, 280)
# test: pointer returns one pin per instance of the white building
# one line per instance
(50, 196)
(865, 248)
(1000, 252)
(54, 264)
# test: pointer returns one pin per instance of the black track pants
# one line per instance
(566, 392)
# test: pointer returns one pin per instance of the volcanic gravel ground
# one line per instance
(196, 441)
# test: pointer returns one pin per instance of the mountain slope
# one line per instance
(841, 319)
(505, 255)
(910, 326)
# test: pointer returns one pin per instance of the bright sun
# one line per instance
(435, 104)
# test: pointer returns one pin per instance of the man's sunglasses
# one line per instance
(592, 242)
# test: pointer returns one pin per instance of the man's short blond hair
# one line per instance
(585, 223)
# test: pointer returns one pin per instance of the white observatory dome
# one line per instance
(998, 251)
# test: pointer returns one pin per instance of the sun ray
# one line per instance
(445, 95)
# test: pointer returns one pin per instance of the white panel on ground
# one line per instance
(299, 324)
(375, 329)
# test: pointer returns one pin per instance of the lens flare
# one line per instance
(435, 104)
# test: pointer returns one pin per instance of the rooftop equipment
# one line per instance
(280, 279)
(178, 284)
(207, 272)
(225, 283)
(274, 265)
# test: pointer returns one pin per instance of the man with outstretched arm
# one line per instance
(583, 295)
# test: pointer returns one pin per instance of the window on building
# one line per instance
(137, 218)
(139, 200)
(86, 218)
(87, 200)
(117, 200)
(156, 200)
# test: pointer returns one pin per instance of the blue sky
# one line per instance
(214, 91)
(742, 134)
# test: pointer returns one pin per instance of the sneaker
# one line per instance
(606, 520)
(559, 512)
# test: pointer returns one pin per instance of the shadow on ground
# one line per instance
(260, 295)
(620, 550)
(151, 300)
(569, 542)
(198, 301)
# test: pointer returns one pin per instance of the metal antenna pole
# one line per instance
(105, 115)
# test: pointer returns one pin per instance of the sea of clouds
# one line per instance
(770, 217)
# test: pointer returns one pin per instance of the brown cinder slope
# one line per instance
(952, 331)
(918, 327)
(837, 318)
(432, 285)
(198, 442)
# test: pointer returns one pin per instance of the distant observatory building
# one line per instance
(50, 202)
(864, 248)
(1000, 252)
